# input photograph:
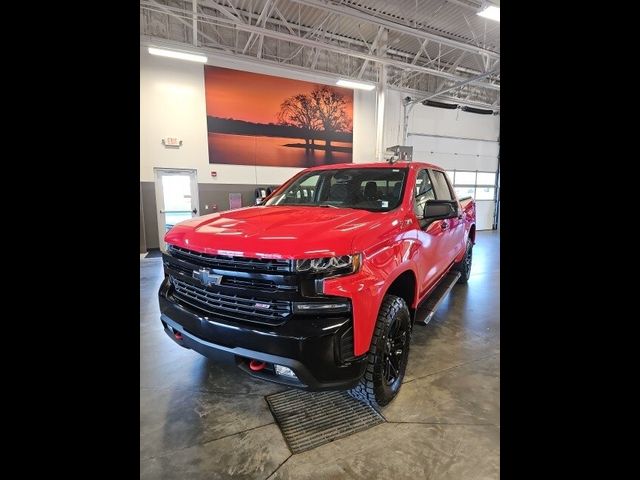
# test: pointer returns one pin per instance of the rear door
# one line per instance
(454, 238)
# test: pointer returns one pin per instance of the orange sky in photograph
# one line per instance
(254, 97)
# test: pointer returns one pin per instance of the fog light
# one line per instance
(286, 371)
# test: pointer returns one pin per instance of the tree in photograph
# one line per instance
(329, 108)
(298, 111)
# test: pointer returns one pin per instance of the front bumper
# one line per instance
(318, 348)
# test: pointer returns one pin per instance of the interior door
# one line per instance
(176, 198)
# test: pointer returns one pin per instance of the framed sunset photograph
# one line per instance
(255, 119)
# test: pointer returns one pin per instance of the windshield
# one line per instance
(375, 189)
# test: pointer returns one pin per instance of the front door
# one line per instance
(176, 198)
(432, 238)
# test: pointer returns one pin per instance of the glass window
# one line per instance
(465, 178)
(451, 175)
(176, 191)
(302, 192)
(423, 184)
(485, 193)
(462, 192)
(379, 189)
(486, 178)
(424, 192)
(310, 181)
(374, 189)
(441, 186)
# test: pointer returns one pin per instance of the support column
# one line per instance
(381, 93)
(406, 111)
(380, 101)
(194, 3)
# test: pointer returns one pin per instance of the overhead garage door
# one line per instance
(471, 164)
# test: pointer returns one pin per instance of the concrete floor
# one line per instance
(200, 420)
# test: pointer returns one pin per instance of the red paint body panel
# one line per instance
(391, 243)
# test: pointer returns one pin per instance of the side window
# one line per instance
(441, 186)
(423, 192)
(302, 193)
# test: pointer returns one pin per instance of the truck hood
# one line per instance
(276, 232)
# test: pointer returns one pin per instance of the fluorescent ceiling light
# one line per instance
(179, 55)
(352, 84)
(491, 12)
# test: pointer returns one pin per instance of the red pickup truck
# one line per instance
(318, 286)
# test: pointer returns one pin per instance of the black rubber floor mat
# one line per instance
(311, 419)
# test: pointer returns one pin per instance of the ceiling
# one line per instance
(438, 49)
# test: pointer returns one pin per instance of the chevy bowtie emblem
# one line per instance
(206, 277)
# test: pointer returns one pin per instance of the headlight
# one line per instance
(341, 264)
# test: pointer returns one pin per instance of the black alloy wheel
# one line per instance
(388, 354)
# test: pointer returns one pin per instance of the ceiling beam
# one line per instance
(223, 10)
(351, 12)
(332, 36)
(421, 93)
(194, 4)
(256, 30)
(187, 24)
(266, 12)
(453, 87)
(372, 48)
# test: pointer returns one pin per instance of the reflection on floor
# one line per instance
(201, 420)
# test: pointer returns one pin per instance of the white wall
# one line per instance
(172, 104)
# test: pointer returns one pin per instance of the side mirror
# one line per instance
(439, 210)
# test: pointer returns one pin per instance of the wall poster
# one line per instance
(255, 119)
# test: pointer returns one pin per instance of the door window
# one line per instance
(441, 186)
(423, 192)
(176, 192)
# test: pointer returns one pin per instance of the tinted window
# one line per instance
(375, 189)
(441, 186)
(423, 192)
(301, 192)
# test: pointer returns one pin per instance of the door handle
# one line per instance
(444, 225)
(194, 211)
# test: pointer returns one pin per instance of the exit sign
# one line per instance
(171, 142)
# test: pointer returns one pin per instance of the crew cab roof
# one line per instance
(415, 165)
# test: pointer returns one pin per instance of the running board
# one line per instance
(436, 297)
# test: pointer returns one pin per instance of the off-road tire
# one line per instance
(464, 267)
(374, 387)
